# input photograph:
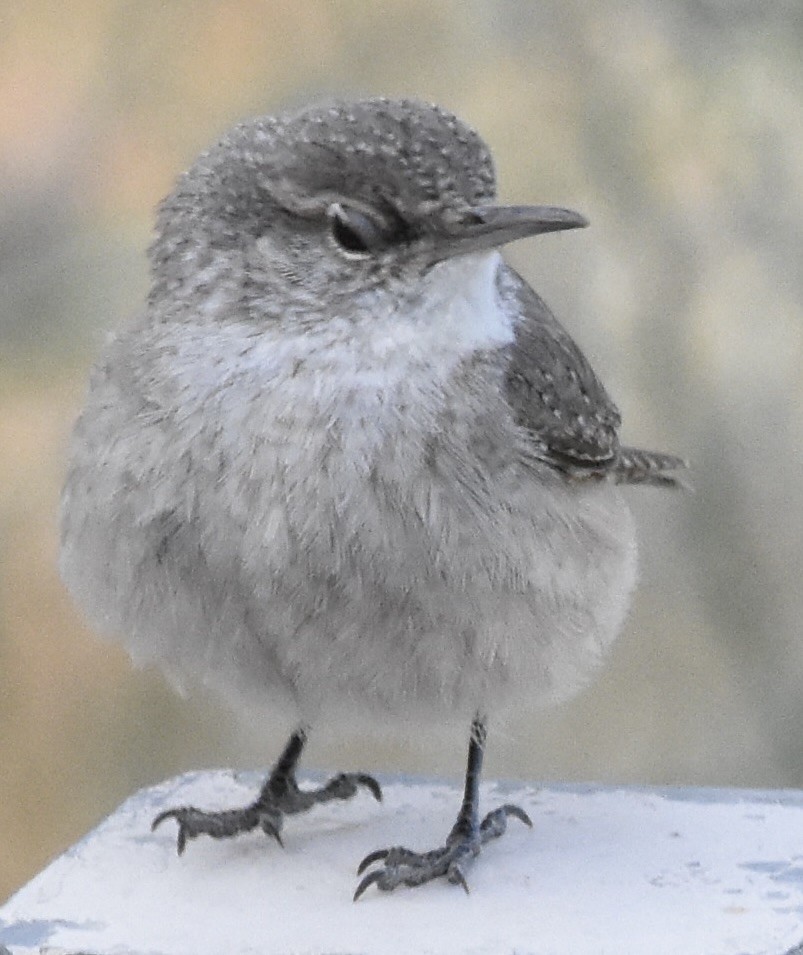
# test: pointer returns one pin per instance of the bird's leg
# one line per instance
(280, 796)
(402, 866)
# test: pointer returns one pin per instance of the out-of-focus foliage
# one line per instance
(675, 127)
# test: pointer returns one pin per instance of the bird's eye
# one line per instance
(354, 233)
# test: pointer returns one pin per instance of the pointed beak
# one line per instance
(489, 227)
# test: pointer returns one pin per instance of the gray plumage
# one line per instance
(346, 460)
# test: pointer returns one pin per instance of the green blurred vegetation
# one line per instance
(675, 127)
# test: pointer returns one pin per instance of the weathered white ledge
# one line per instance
(642, 871)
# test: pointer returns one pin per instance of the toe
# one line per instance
(363, 779)
(369, 880)
(456, 876)
(371, 858)
(167, 814)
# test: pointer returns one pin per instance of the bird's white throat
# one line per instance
(457, 312)
(460, 306)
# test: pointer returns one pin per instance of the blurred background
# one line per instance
(675, 127)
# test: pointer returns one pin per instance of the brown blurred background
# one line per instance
(675, 127)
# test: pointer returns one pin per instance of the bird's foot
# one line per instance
(280, 797)
(194, 822)
(402, 866)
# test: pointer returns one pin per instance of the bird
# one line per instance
(347, 461)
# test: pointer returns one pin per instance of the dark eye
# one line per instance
(354, 233)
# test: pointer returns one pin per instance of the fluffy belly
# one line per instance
(281, 567)
(521, 615)
(496, 630)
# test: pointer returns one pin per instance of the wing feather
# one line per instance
(555, 395)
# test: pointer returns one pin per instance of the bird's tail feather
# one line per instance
(636, 466)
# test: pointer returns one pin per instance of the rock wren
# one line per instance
(347, 460)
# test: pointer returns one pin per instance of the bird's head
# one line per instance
(334, 209)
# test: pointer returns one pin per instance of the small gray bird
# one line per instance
(347, 460)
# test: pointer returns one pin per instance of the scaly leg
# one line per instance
(402, 866)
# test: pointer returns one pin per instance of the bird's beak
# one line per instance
(488, 227)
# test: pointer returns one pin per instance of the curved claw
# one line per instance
(178, 815)
(370, 859)
(363, 779)
(519, 813)
(456, 877)
(270, 830)
(495, 823)
(167, 814)
(369, 880)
